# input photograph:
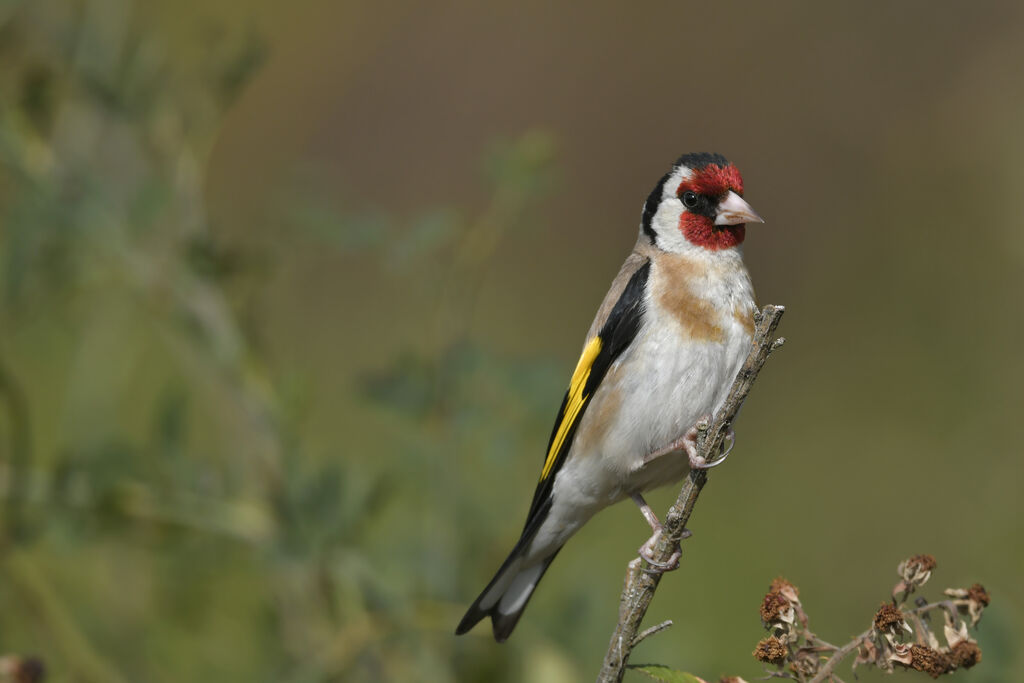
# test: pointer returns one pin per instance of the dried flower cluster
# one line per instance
(889, 619)
(914, 572)
(898, 635)
(771, 650)
(789, 639)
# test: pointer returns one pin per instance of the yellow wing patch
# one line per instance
(574, 403)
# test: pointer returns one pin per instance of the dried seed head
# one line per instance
(888, 618)
(774, 607)
(977, 600)
(923, 563)
(785, 589)
(978, 594)
(931, 662)
(965, 654)
(916, 570)
(771, 650)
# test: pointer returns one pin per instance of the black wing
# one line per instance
(616, 334)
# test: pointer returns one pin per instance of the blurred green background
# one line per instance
(289, 294)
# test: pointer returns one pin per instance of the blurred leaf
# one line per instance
(664, 673)
(210, 259)
(38, 97)
(356, 232)
(242, 65)
(170, 425)
(548, 664)
(407, 386)
(523, 164)
(325, 505)
(427, 234)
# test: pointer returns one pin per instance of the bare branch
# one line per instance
(640, 585)
(651, 631)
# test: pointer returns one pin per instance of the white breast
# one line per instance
(661, 385)
(672, 384)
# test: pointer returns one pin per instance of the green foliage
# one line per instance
(664, 674)
(169, 482)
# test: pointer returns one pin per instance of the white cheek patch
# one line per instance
(665, 222)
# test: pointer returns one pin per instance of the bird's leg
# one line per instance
(647, 512)
(646, 551)
(687, 443)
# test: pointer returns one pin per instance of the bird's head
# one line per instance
(698, 205)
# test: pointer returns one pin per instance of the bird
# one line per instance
(660, 356)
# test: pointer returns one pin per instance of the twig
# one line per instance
(651, 631)
(640, 586)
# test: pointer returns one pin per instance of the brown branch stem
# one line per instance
(640, 585)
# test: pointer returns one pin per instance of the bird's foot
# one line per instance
(697, 462)
(688, 444)
(646, 551)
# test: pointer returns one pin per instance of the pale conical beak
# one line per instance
(733, 210)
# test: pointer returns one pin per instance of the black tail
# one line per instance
(506, 595)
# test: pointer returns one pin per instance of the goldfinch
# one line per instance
(660, 356)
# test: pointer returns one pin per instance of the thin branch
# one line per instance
(651, 631)
(640, 585)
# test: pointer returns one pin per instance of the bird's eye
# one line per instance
(690, 199)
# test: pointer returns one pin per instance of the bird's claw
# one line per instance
(699, 463)
(646, 551)
(688, 444)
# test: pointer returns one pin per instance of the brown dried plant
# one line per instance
(900, 634)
